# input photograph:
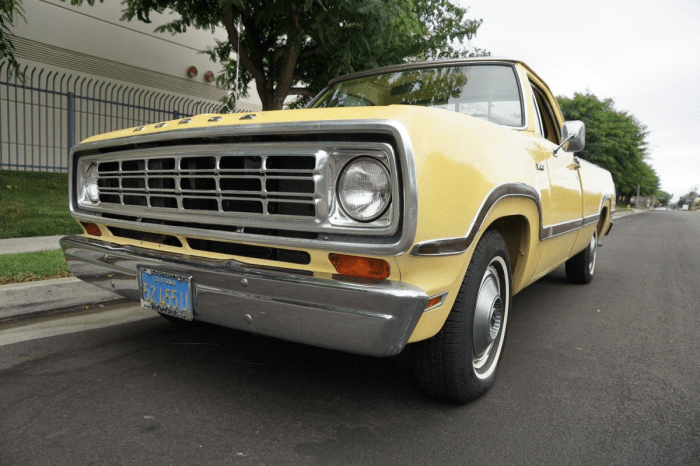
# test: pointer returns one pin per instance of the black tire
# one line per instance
(453, 364)
(581, 267)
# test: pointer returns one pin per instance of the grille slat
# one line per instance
(227, 184)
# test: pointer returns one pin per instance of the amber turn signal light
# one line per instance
(433, 302)
(92, 229)
(362, 267)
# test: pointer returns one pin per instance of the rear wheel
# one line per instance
(460, 363)
(581, 267)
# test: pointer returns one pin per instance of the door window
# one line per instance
(549, 126)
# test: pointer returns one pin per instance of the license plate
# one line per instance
(167, 293)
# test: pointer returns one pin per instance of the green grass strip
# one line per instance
(34, 204)
(31, 266)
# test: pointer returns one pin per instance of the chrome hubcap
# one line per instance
(488, 319)
(592, 252)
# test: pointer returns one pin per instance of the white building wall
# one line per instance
(96, 54)
(97, 31)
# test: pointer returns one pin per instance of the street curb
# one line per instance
(625, 213)
(20, 300)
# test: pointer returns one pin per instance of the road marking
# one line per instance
(72, 324)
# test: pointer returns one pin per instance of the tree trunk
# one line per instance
(267, 99)
(271, 98)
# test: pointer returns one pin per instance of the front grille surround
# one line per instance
(264, 185)
(336, 233)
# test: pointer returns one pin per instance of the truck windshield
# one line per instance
(489, 92)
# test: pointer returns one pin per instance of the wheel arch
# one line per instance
(605, 220)
(516, 232)
(516, 217)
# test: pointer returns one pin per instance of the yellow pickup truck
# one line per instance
(406, 205)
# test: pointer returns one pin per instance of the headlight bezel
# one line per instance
(389, 221)
(342, 201)
(87, 180)
(92, 191)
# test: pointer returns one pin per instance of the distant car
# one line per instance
(406, 206)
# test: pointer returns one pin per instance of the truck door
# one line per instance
(562, 218)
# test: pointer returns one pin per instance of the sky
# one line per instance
(645, 55)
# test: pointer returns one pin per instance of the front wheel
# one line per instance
(460, 363)
(581, 267)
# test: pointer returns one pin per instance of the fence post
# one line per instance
(71, 120)
(176, 115)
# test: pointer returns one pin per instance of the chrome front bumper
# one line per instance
(374, 318)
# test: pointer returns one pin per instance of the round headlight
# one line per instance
(91, 189)
(364, 189)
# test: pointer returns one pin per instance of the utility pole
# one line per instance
(636, 199)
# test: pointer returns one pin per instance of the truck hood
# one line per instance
(406, 114)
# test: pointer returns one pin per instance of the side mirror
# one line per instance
(573, 136)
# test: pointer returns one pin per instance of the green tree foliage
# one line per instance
(427, 30)
(616, 141)
(663, 198)
(294, 47)
(10, 10)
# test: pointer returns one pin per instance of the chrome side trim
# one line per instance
(454, 246)
(373, 317)
(356, 243)
(590, 219)
(560, 229)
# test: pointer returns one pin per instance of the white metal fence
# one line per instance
(42, 117)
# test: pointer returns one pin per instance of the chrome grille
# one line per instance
(254, 185)
(243, 190)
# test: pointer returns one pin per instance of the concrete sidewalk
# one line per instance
(29, 299)
(37, 243)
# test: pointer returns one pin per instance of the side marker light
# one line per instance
(435, 301)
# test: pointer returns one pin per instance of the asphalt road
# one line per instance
(607, 373)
